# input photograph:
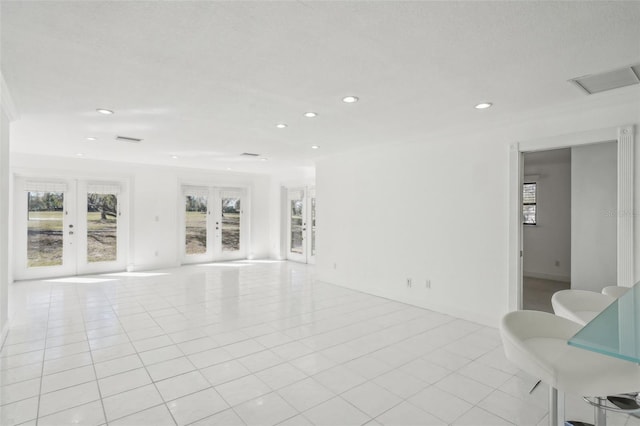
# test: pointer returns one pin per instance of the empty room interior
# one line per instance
(319, 213)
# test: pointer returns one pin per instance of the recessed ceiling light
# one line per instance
(228, 168)
(79, 154)
(91, 138)
(314, 147)
(484, 105)
(350, 99)
(281, 125)
(263, 159)
(310, 114)
(175, 157)
(104, 111)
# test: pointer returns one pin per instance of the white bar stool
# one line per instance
(536, 342)
(579, 306)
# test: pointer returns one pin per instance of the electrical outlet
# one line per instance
(335, 266)
(427, 283)
(408, 282)
(157, 253)
(557, 263)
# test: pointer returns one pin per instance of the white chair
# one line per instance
(536, 342)
(614, 291)
(579, 306)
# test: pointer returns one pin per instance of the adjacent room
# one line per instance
(319, 213)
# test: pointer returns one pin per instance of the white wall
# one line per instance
(549, 241)
(4, 221)
(593, 217)
(438, 210)
(154, 193)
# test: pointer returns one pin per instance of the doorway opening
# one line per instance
(546, 212)
(569, 239)
(602, 224)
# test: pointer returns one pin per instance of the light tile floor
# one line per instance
(247, 343)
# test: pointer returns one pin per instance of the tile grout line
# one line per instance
(44, 352)
(131, 342)
(95, 373)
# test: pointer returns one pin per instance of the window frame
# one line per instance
(536, 204)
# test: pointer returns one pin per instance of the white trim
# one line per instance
(284, 223)
(567, 141)
(625, 212)
(625, 178)
(516, 169)
(6, 101)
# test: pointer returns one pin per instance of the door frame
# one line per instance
(76, 186)
(624, 136)
(215, 253)
(295, 257)
(308, 192)
(243, 253)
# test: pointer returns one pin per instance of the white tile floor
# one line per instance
(251, 343)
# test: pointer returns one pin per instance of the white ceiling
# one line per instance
(209, 80)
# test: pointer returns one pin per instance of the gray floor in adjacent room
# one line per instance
(537, 293)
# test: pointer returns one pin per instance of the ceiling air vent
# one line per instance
(128, 139)
(596, 83)
(249, 154)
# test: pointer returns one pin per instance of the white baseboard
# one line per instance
(562, 278)
(478, 318)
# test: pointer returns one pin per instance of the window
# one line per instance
(529, 203)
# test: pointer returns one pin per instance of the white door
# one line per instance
(66, 227)
(311, 228)
(230, 228)
(101, 227)
(296, 225)
(215, 226)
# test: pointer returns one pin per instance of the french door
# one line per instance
(67, 227)
(301, 225)
(215, 227)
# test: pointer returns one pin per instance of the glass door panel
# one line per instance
(230, 232)
(297, 228)
(296, 225)
(196, 224)
(45, 229)
(102, 227)
(44, 233)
